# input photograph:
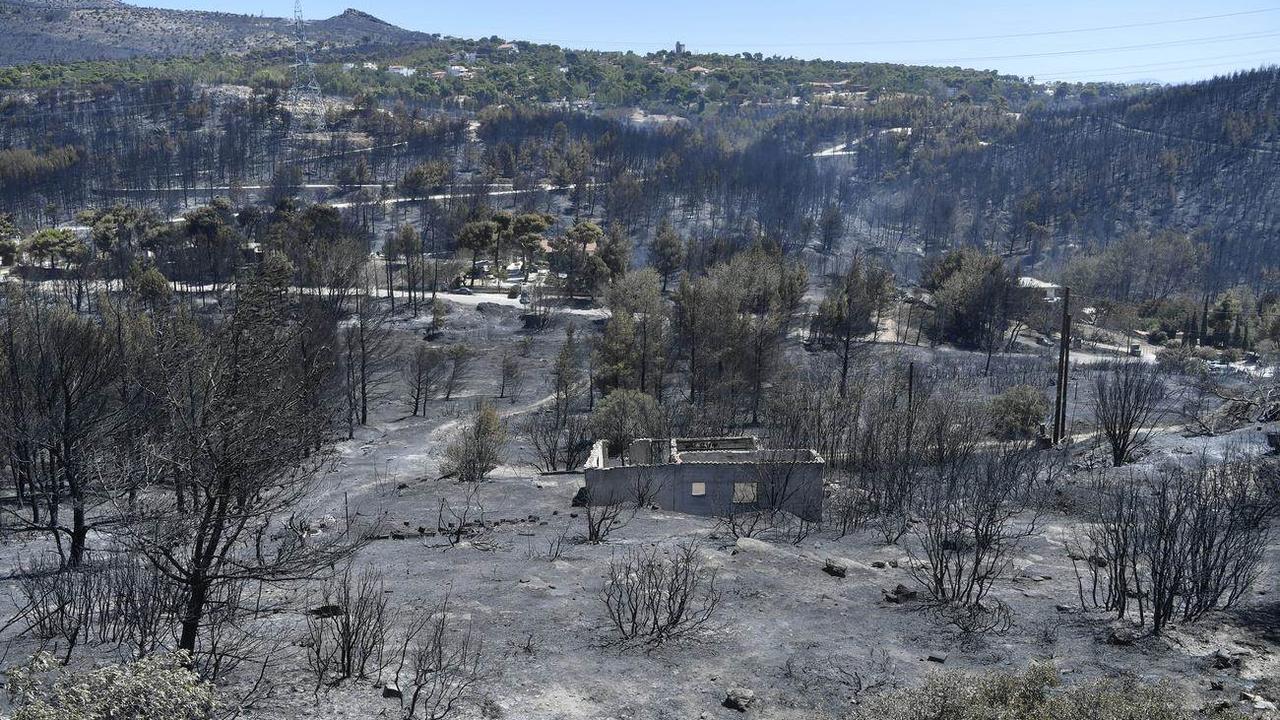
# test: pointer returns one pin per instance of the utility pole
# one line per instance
(911, 405)
(1064, 361)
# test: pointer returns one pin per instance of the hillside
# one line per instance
(73, 43)
(497, 380)
(1197, 159)
(98, 30)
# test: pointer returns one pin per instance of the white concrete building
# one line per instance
(1051, 292)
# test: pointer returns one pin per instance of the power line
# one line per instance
(1145, 66)
(1116, 48)
(915, 41)
(1194, 66)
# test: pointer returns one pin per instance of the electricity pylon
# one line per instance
(305, 85)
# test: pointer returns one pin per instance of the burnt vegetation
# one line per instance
(301, 388)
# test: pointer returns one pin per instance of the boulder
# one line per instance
(739, 699)
(391, 691)
(326, 611)
(580, 497)
(835, 569)
(1122, 637)
(937, 657)
(1222, 660)
(899, 594)
(1257, 702)
(755, 545)
(489, 308)
(878, 564)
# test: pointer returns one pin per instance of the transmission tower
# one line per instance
(305, 85)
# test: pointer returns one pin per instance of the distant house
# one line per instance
(458, 71)
(699, 70)
(440, 74)
(462, 57)
(402, 70)
(508, 48)
(668, 70)
(369, 66)
(639, 118)
(348, 67)
(1040, 289)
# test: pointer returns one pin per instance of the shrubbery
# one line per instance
(1017, 412)
(478, 450)
(157, 687)
(1180, 361)
(1035, 694)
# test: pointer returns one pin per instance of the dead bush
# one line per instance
(347, 628)
(973, 515)
(117, 603)
(652, 597)
(1180, 541)
(853, 677)
(464, 520)
(847, 507)
(441, 665)
(603, 516)
(1126, 406)
(977, 620)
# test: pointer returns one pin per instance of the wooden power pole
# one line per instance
(1064, 362)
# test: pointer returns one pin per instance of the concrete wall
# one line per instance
(740, 442)
(792, 486)
(599, 455)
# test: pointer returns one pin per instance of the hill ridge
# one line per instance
(72, 30)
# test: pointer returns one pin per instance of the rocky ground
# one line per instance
(800, 639)
(790, 640)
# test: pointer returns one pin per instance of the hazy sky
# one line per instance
(1166, 40)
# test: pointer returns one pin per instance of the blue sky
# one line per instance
(1168, 40)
